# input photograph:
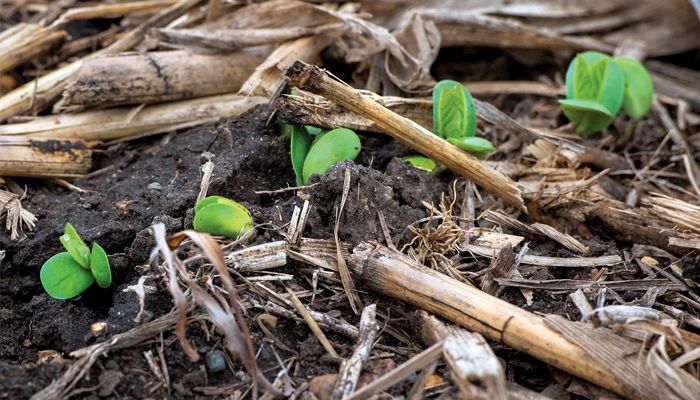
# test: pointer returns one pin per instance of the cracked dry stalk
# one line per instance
(313, 79)
(351, 368)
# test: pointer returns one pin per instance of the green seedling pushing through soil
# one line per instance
(454, 119)
(220, 216)
(598, 86)
(421, 162)
(68, 274)
(316, 156)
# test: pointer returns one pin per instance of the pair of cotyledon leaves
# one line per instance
(454, 119)
(220, 216)
(311, 157)
(598, 86)
(70, 273)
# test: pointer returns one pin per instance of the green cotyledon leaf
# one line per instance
(298, 149)
(99, 266)
(588, 116)
(223, 219)
(63, 278)
(420, 162)
(478, 146)
(454, 114)
(327, 150)
(611, 84)
(75, 246)
(579, 82)
(214, 200)
(639, 89)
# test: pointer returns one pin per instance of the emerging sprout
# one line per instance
(421, 162)
(75, 246)
(329, 149)
(300, 144)
(68, 274)
(99, 266)
(595, 89)
(221, 216)
(478, 146)
(454, 118)
(453, 110)
(326, 150)
(597, 86)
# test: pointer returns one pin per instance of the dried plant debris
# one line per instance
(16, 217)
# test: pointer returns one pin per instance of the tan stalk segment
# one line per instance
(157, 77)
(394, 274)
(41, 157)
(313, 79)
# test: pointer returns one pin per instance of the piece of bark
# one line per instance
(391, 273)
(351, 368)
(43, 157)
(406, 131)
(474, 368)
(157, 77)
(433, 330)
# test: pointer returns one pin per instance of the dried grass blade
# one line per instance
(178, 295)
(345, 277)
(312, 324)
(233, 324)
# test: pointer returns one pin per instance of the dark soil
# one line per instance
(158, 180)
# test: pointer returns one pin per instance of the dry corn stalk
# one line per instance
(43, 157)
(157, 77)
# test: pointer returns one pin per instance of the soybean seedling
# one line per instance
(70, 273)
(420, 162)
(598, 86)
(454, 118)
(317, 156)
(220, 216)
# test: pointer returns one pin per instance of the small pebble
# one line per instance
(155, 186)
(215, 361)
